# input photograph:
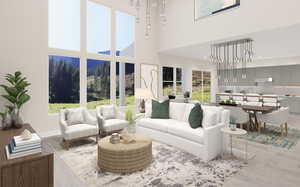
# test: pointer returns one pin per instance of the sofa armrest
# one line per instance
(100, 119)
(213, 141)
(89, 119)
(62, 122)
(225, 119)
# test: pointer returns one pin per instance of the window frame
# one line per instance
(202, 83)
(174, 81)
(84, 55)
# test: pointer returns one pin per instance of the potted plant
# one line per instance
(131, 118)
(16, 95)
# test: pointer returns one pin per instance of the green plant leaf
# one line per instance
(10, 98)
(22, 100)
(10, 108)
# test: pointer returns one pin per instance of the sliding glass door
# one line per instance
(201, 90)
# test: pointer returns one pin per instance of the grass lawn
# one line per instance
(56, 107)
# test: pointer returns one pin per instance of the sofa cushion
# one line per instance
(177, 111)
(196, 116)
(74, 116)
(218, 110)
(80, 130)
(184, 130)
(156, 124)
(114, 124)
(160, 110)
(108, 112)
(210, 118)
(148, 109)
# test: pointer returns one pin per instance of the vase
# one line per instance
(16, 120)
(6, 121)
(131, 129)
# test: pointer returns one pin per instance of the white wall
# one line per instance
(24, 47)
(252, 16)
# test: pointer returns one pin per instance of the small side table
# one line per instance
(237, 132)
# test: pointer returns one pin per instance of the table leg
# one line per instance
(231, 145)
(246, 151)
(256, 121)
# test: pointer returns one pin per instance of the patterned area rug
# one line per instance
(171, 167)
(272, 136)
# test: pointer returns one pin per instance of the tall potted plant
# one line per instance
(16, 95)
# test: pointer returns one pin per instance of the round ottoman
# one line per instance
(125, 157)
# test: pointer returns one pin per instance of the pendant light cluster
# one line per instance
(159, 4)
(231, 56)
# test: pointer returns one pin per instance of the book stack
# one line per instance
(19, 147)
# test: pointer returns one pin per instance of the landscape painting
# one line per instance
(205, 8)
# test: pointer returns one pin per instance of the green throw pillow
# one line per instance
(196, 116)
(160, 110)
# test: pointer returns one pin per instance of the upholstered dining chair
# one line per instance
(238, 116)
(278, 117)
(76, 124)
(110, 119)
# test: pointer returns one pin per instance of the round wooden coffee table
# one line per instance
(125, 157)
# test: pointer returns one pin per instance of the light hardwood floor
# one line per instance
(271, 167)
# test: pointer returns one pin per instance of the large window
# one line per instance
(81, 55)
(98, 83)
(98, 28)
(172, 81)
(63, 82)
(125, 84)
(125, 34)
(201, 90)
(64, 24)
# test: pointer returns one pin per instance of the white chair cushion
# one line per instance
(184, 130)
(177, 111)
(108, 112)
(270, 100)
(74, 116)
(210, 118)
(156, 124)
(270, 104)
(114, 124)
(80, 130)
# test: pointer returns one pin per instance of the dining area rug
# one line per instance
(272, 136)
(170, 167)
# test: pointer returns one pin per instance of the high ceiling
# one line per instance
(277, 43)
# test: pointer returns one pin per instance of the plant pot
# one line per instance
(16, 120)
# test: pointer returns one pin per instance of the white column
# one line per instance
(83, 57)
(122, 84)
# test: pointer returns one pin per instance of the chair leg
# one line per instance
(286, 129)
(281, 129)
(97, 138)
(264, 125)
(259, 126)
(66, 144)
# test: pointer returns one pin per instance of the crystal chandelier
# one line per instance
(229, 56)
(158, 4)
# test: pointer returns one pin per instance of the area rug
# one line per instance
(171, 167)
(272, 136)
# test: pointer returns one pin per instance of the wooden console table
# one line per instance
(29, 171)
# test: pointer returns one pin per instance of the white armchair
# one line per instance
(85, 126)
(278, 117)
(110, 119)
(239, 116)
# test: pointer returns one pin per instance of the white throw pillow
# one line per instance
(74, 116)
(148, 109)
(108, 112)
(218, 110)
(187, 112)
(209, 118)
(177, 111)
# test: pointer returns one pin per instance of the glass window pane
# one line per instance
(197, 85)
(125, 84)
(63, 83)
(178, 74)
(64, 24)
(125, 34)
(168, 88)
(168, 74)
(178, 88)
(98, 83)
(98, 28)
(206, 87)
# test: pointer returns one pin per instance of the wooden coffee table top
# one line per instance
(140, 142)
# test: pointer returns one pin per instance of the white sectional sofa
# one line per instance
(206, 142)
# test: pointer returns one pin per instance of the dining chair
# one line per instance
(278, 118)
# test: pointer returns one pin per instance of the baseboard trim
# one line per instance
(49, 134)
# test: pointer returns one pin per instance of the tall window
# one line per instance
(63, 82)
(172, 81)
(125, 84)
(64, 24)
(201, 90)
(125, 34)
(98, 83)
(66, 20)
(98, 28)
